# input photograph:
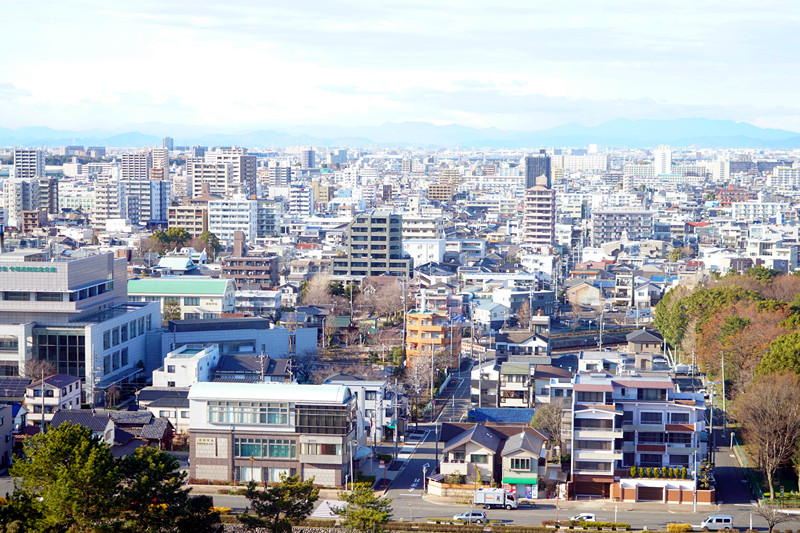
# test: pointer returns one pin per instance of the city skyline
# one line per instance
(245, 66)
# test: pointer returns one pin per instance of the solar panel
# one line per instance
(13, 387)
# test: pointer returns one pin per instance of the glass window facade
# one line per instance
(63, 348)
(265, 448)
(259, 413)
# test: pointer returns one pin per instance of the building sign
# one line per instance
(27, 269)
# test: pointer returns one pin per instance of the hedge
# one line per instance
(679, 528)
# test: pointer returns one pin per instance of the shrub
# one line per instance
(683, 472)
(672, 472)
(656, 473)
(649, 472)
(641, 472)
(633, 471)
(663, 471)
(221, 510)
(679, 528)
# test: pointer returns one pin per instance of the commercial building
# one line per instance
(197, 296)
(260, 431)
(374, 247)
(74, 314)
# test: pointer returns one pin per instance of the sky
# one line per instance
(528, 65)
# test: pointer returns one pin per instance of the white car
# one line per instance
(584, 517)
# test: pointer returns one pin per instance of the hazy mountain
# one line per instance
(678, 133)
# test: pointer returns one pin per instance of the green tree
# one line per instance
(783, 355)
(207, 240)
(172, 311)
(152, 489)
(282, 505)
(365, 512)
(72, 476)
(675, 254)
(178, 237)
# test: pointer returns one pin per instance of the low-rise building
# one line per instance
(197, 296)
(57, 392)
(187, 365)
(260, 431)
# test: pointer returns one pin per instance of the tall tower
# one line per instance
(308, 158)
(536, 166)
(662, 160)
(168, 143)
(28, 164)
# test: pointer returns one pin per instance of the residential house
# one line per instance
(58, 391)
(474, 455)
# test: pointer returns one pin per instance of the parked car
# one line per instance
(716, 522)
(471, 516)
(584, 517)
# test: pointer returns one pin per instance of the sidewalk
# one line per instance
(584, 505)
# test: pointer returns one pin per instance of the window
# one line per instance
(124, 356)
(592, 466)
(480, 458)
(679, 418)
(170, 383)
(651, 418)
(679, 460)
(649, 437)
(191, 300)
(593, 444)
(132, 328)
(106, 340)
(370, 395)
(322, 449)
(651, 459)
(263, 413)
(520, 464)
(48, 297)
(106, 364)
(48, 393)
(164, 414)
(184, 414)
(171, 369)
(191, 316)
(208, 316)
(651, 394)
(124, 332)
(115, 336)
(37, 393)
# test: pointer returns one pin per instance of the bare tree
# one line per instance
(417, 378)
(772, 515)
(36, 367)
(318, 290)
(389, 299)
(769, 411)
(524, 315)
(548, 418)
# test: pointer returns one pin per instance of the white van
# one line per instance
(716, 522)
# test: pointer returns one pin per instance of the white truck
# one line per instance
(495, 498)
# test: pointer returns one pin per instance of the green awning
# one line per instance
(390, 426)
(520, 480)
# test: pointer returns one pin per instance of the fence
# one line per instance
(755, 486)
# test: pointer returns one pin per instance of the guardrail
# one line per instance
(755, 486)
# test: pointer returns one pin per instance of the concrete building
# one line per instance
(662, 160)
(226, 217)
(186, 365)
(259, 431)
(28, 164)
(308, 158)
(374, 247)
(218, 177)
(197, 296)
(424, 251)
(192, 218)
(539, 218)
(536, 166)
(633, 420)
(432, 333)
(74, 314)
(6, 434)
(136, 166)
(242, 165)
(609, 225)
(20, 195)
(58, 392)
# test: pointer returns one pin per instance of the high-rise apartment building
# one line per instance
(440, 192)
(374, 247)
(279, 176)
(616, 224)
(225, 217)
(662, 160)
(20, 194)
(218, 176)
(536, 166)
(28, 164)
(160, 161)
(539, 218)
(308, 158)
(168, 143)
(243, 168)
(136, 166)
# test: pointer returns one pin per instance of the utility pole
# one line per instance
(724, 424)
(396, 418)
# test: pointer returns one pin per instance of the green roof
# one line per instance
(520, 480)
(188, 285)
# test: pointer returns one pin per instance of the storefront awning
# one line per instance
(390, 426)
(520, 480)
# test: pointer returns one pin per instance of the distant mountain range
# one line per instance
(678, 133)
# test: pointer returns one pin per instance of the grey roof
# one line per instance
(57, 380)
(642, 335)
(83, 417)
(171, 401)
(529, 441)
(157, 430)
(252, 363)
(480, 435)
(150, 394)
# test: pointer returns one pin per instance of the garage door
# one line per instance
(595, 489)
(653, 494)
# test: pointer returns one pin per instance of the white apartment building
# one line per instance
(218, 176)
(758, 211)
(539, 218)
(28, 164)
(20, 194)
(242, 165)
(236, 214)
(136, 166)
(301, 200)
(424, 251)
(416, 227)
(662, 160)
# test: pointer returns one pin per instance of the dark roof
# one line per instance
(529, 440)
(549, 371)
(83, 417)
(507, 415)
(218, 324)
(170, 401)
(252, 364)
(150, 394)
(57, 380)
(480, 435)
(13, 387)
(342, 377)
(642, 335)
(157, 430)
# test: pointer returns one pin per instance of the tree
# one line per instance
(317, 291)
(762, 273)
(783, 355)
(152, 489)
(208, 240)
(177, 237)
(769, 411)
(72, 476)
(676, 254)
(524, 315)
(364, 512)
(389, 298)
(172, 311)
(35, 368)
(772, 515)
(548, 418)
(282, 505)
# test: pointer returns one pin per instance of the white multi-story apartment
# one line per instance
(243, 168)
(424, 251)
(136, 166)
(20, 194)
(612, 225)
(236, 214)
(758, 211)
(218, 176)
(187, 365)
(662, 160)
(28, 164)
(539, 218)
(301, 200)
(625, 421)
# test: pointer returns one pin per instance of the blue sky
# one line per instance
(524, 65)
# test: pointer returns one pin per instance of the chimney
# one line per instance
(239, 248)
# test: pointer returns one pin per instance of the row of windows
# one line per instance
(262, 413)
(115, 361)
(265, 448)
(123, 333)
